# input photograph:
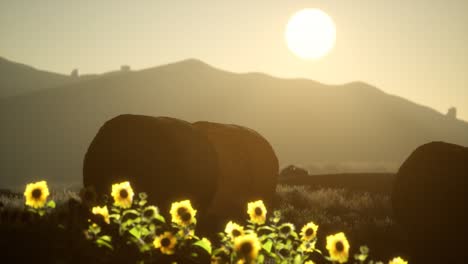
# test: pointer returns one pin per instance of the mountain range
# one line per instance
(48, 119)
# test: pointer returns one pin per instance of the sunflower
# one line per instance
(257, 212)
(286, 229)
(309, 262)
(234, 230)
(36, 194)
(166, 243)
(247, 247)
(338, 247)
(182, 213)
(149, 213)
(398, 260)
(102, 211)
(123, 194)
(309, 231)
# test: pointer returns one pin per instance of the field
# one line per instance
(365, 217)
(362, 211)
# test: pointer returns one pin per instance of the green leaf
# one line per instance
(272, 236)
(145, 231)
(130, 211)
(51, 204)
(145, 248)
(135, 232)
(297, 259)
(294, 235)
(218, 251)
(268, 245)
(360, 257)
(271, 229)
(160, 218)
(114, 216)
(106, 238)
(105, 241)
(205, 244)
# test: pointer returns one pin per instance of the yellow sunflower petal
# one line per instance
(234, 230)
(338, 247)
(122, 194)
(36, 194)
(247, 246)
(166, 243)
(257, 212)
(102, 211)
(398, 260)
(309, 231)
(182, 213)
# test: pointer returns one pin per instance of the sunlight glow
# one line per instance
(310, 34)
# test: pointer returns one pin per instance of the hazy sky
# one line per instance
(414, 49)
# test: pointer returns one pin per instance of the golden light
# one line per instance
(310, 34)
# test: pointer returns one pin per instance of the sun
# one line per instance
(310, 34)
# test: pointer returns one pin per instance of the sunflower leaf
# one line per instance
(135, 232)
(218, 251)
(294, 235)
(114, 216)
(205, 244)
(130, 211)
(105, 241)
(266, 228)
(267, 246)
(51, 204)
(297, 259)
(160, 218)
(106, 244)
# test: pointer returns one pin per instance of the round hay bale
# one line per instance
(430, 201)
(165, 157)
(248, 169)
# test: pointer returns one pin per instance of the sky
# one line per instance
(414, 49)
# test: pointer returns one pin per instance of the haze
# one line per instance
(414, 49)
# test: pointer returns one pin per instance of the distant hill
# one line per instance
(45, 133)
(16, 78)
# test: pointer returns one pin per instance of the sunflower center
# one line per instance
(165, 242)
(181, 211)
(236, 233)
(186, 217)
(285, 229)
(309, 232)
(246, 248)
(184, 214)
(258, 211)
(123, 193)
(36, 193)
(339, 246)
